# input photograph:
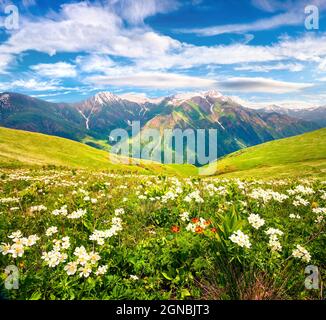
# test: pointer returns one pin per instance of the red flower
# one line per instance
(199, 229)
(195, 220)
(214, 230)
(175, 229)
(207, 223)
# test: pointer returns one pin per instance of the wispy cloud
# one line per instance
(136, 11)
(115, 46)
(21, 3)
(160, 80)
(322, 65)
(286, 5)
(275, 5)
(90, 28)
(293, 67)
(262, 85)
(284, 19)
(94, 63)
(292, 14)
(5, 61)
(28, 3)
(56, 70)
(31, 84)
(81, 27)
(152, 80)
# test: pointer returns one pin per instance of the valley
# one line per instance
(92, 120)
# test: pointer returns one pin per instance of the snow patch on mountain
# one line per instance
(140, 98)
(103, 98)
(180, 98)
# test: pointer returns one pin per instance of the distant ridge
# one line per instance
(91, 121)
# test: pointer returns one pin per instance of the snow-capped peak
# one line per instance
(179, 98)
(140, 98)
(182, 97)
(213, 94)
(105, 97)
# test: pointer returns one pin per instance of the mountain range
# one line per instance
(317, 114)
(92, 120)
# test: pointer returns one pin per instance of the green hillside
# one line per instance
(303, 155)
(24, 149)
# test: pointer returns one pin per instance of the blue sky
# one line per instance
(258, 51)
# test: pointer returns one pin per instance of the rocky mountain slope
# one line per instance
(238, 127)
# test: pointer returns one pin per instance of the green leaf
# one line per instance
(36, 296)
(166, 276)
(185, 293)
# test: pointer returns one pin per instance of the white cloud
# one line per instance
(94, 62)
(56, 70)
(309, 48)
(5, 61)
(136, 11)
(293, 67)
(152, 80)
(274, 5)
(129, 77)
(287, 5)
(292, 14)
(322, 66)
(46, 95)
(78, 27)
(28, 3)
(22, 3)
(284, 19)
(35, 85)
(191, 56)
(84, 27)
(31, 84)
(149, 57)
(242, 84)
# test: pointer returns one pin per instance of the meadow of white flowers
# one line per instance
(77, 235)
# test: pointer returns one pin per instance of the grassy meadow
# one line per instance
(28, 149)
(76, 226)
(298, 156)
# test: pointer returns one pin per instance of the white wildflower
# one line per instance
(256, 221)
(16, 235)
(101, 270)
(62, 211)
(38, 208)
(71, 268)
(301, 253)
(85, 271)
(77, 214)
(240, 239)
(119, 211)
(5, 248)
(294, 216)
(272, 231)
(51, 231)
(185, 216)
